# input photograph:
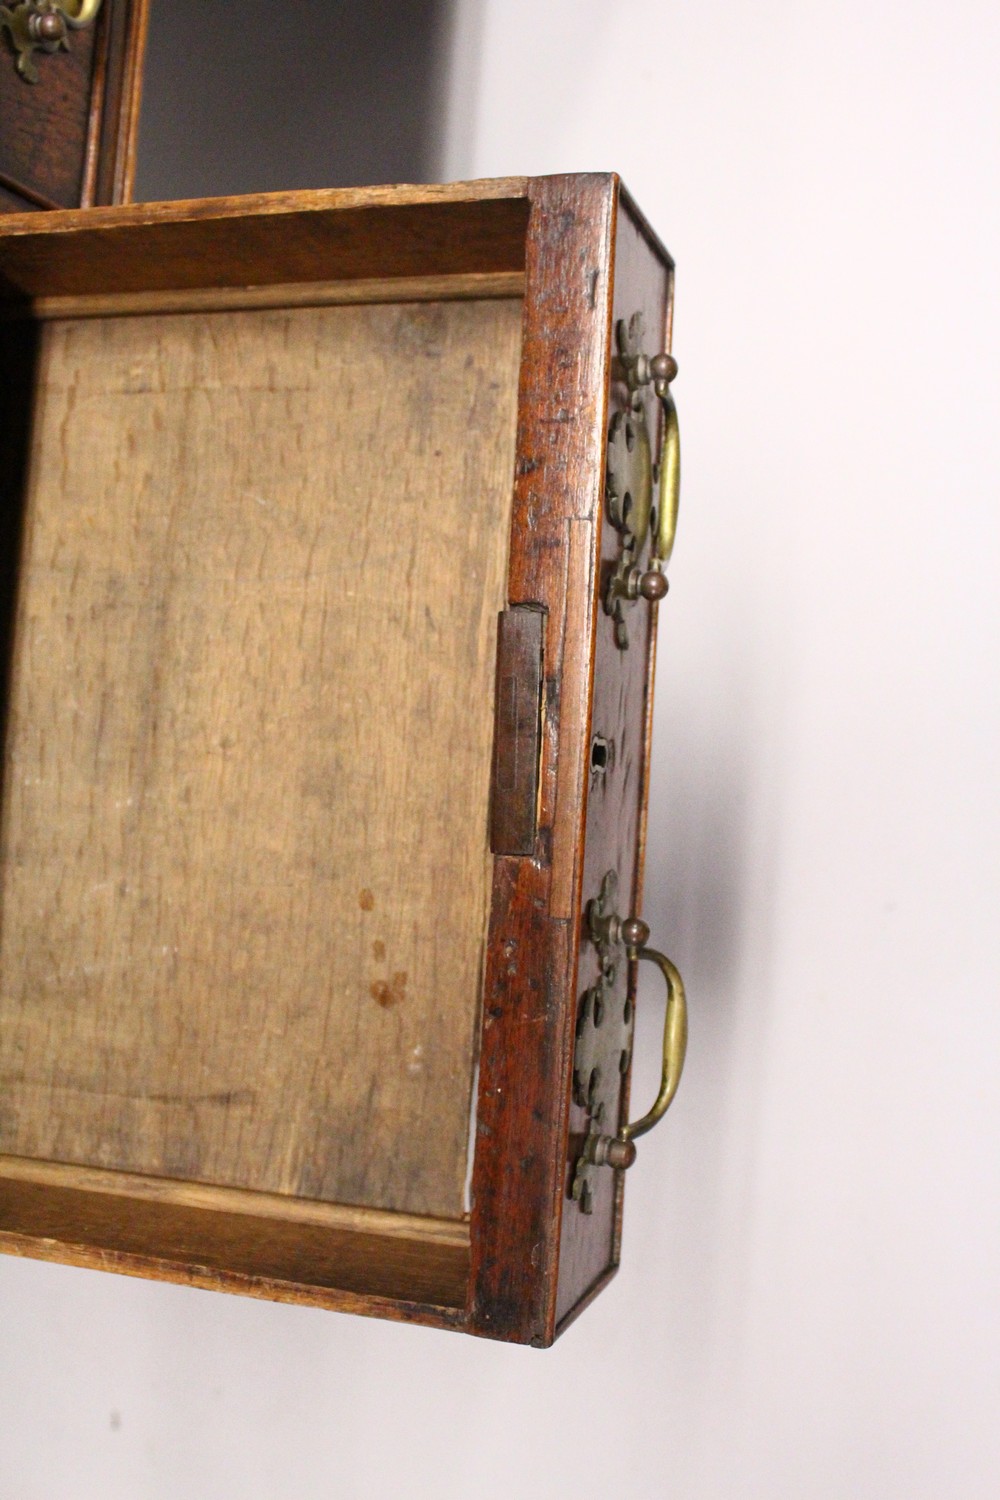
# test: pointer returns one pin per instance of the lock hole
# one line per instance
(600, 755)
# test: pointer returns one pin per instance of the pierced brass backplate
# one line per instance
(43, 26)
(632, 476)
(603, 1041)
(603, 1049)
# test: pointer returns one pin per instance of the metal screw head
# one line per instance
(635, 932)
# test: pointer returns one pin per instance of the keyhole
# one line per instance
(600, 755)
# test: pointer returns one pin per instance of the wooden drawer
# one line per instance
(319, 738)
(68, 137)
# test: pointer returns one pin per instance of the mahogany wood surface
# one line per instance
(517, 732)
(536, 1258)
(271, 238)
(200, 1195)
(268, 1257)
(616, 798)
(16, 199)
(110, 163)
(473, 286)
(69, 139)
(585, 257)
(529, 999)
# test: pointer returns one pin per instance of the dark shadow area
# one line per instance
(262, 97)
(19, 351)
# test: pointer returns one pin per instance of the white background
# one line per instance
(809, 1307)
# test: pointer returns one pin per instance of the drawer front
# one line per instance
(617, 786)
(68, 137)
(537, 1255)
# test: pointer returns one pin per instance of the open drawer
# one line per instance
(326, 720)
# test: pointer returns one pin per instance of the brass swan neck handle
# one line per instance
(633, 478)
(44, 26)
(604, 1036)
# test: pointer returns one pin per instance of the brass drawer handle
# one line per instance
(675, 1028)
(670, 462)
(42, 25)
(632, 478)
(604, 1042)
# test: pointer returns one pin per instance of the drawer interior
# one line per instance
(254, 550)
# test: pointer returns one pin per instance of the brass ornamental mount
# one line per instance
(604, 1041)
(44, 26)
(632, 475)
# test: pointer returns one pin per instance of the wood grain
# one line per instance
(537, 1260)
(302, 294)
(122, 493)
(238, 1252)
(267, 239)
(517, 735)
(245, 868)
(200, 1195)
(114, 127)
(530, 994)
